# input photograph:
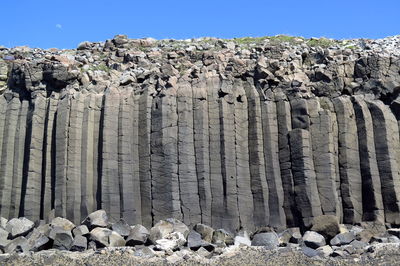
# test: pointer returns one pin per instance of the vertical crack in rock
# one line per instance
(349, 160)
(371, 183)
(202, 147)
(164, 156)
(34, 178)
(110, 187)
(259, 186)
(386, 137)
(186, 154)
(243, 178)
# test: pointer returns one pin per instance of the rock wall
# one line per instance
(232, 148)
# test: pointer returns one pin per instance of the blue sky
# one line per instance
(64, 24)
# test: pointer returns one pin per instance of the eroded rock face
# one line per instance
(226, 134)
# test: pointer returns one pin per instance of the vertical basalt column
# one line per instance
(189, 193)
(321, 129)
(243, 179)
(144, 131)
(201, 146)
(34, 179)
(88, 165)
(305, 183)
(386, 138)
(164, 156)
(285, 163)
(48, 163)
(371, 183)
(61, 150)
(19, 154)
(328, 106)
(3, 109)
(74, 158)
(349, 161)
(259, 186)
(110, 183)
(217, 187)
(98, 109)
(228, 155)
(272, 168)
(13, 106)
(135, 159)
(129, 179)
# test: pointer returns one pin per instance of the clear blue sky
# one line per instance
(64, 24)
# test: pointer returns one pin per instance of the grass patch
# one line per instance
(321, 42)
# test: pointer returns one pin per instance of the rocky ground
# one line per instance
(97, 241)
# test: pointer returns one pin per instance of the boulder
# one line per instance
(3, 222)
(326, 225)
(18, 244)
(98, 218)
(38, 241)
(62, 239)
(165, 227)
(242, 240)
(205, 231)
(342, 239)
(121, 227)
(204, 253)
(194, 242)
(138, 235)
(324, 251)
(63, 223)
(309, 252)
(105, 237)
(19, 227)
(394, 232)
(222, 238)
(4, 238)
(79, 244)
(171, 241)
(80, 230)
(268, 240)
(313, 239)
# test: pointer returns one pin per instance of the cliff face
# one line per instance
(240, 133)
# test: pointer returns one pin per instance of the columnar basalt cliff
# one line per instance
(235, 134)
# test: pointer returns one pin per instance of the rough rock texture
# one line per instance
(232, 134)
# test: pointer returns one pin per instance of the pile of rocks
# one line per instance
(173, 239)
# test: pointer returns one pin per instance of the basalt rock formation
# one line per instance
(234, 134)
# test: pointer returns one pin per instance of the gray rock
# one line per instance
(165, 227)
(326, 225)
(313, 239)
(79, 244)
(138, 235)
(106, 238)
(222, 238)
(80, 230)
(145, 252)
(84, 46)
(18, 244)
(342, 239)
(62, 239)
(38, 241)
(121, 227)
(171, 242)
(324, 251)
(394, 232)
(205, 231)
(63, 223)
(309, 252)
(19, 227)
(98, 218)
(194, 242)
(268, 240)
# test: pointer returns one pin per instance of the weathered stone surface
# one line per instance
(349, 160)
(96, 219)
(121, 227)
(268, 240)
(326, 225)
(205, 231)
(19, 227)
(313, 239)
(342, 239)
(305, 184)
(138, 235)
(386, 136)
